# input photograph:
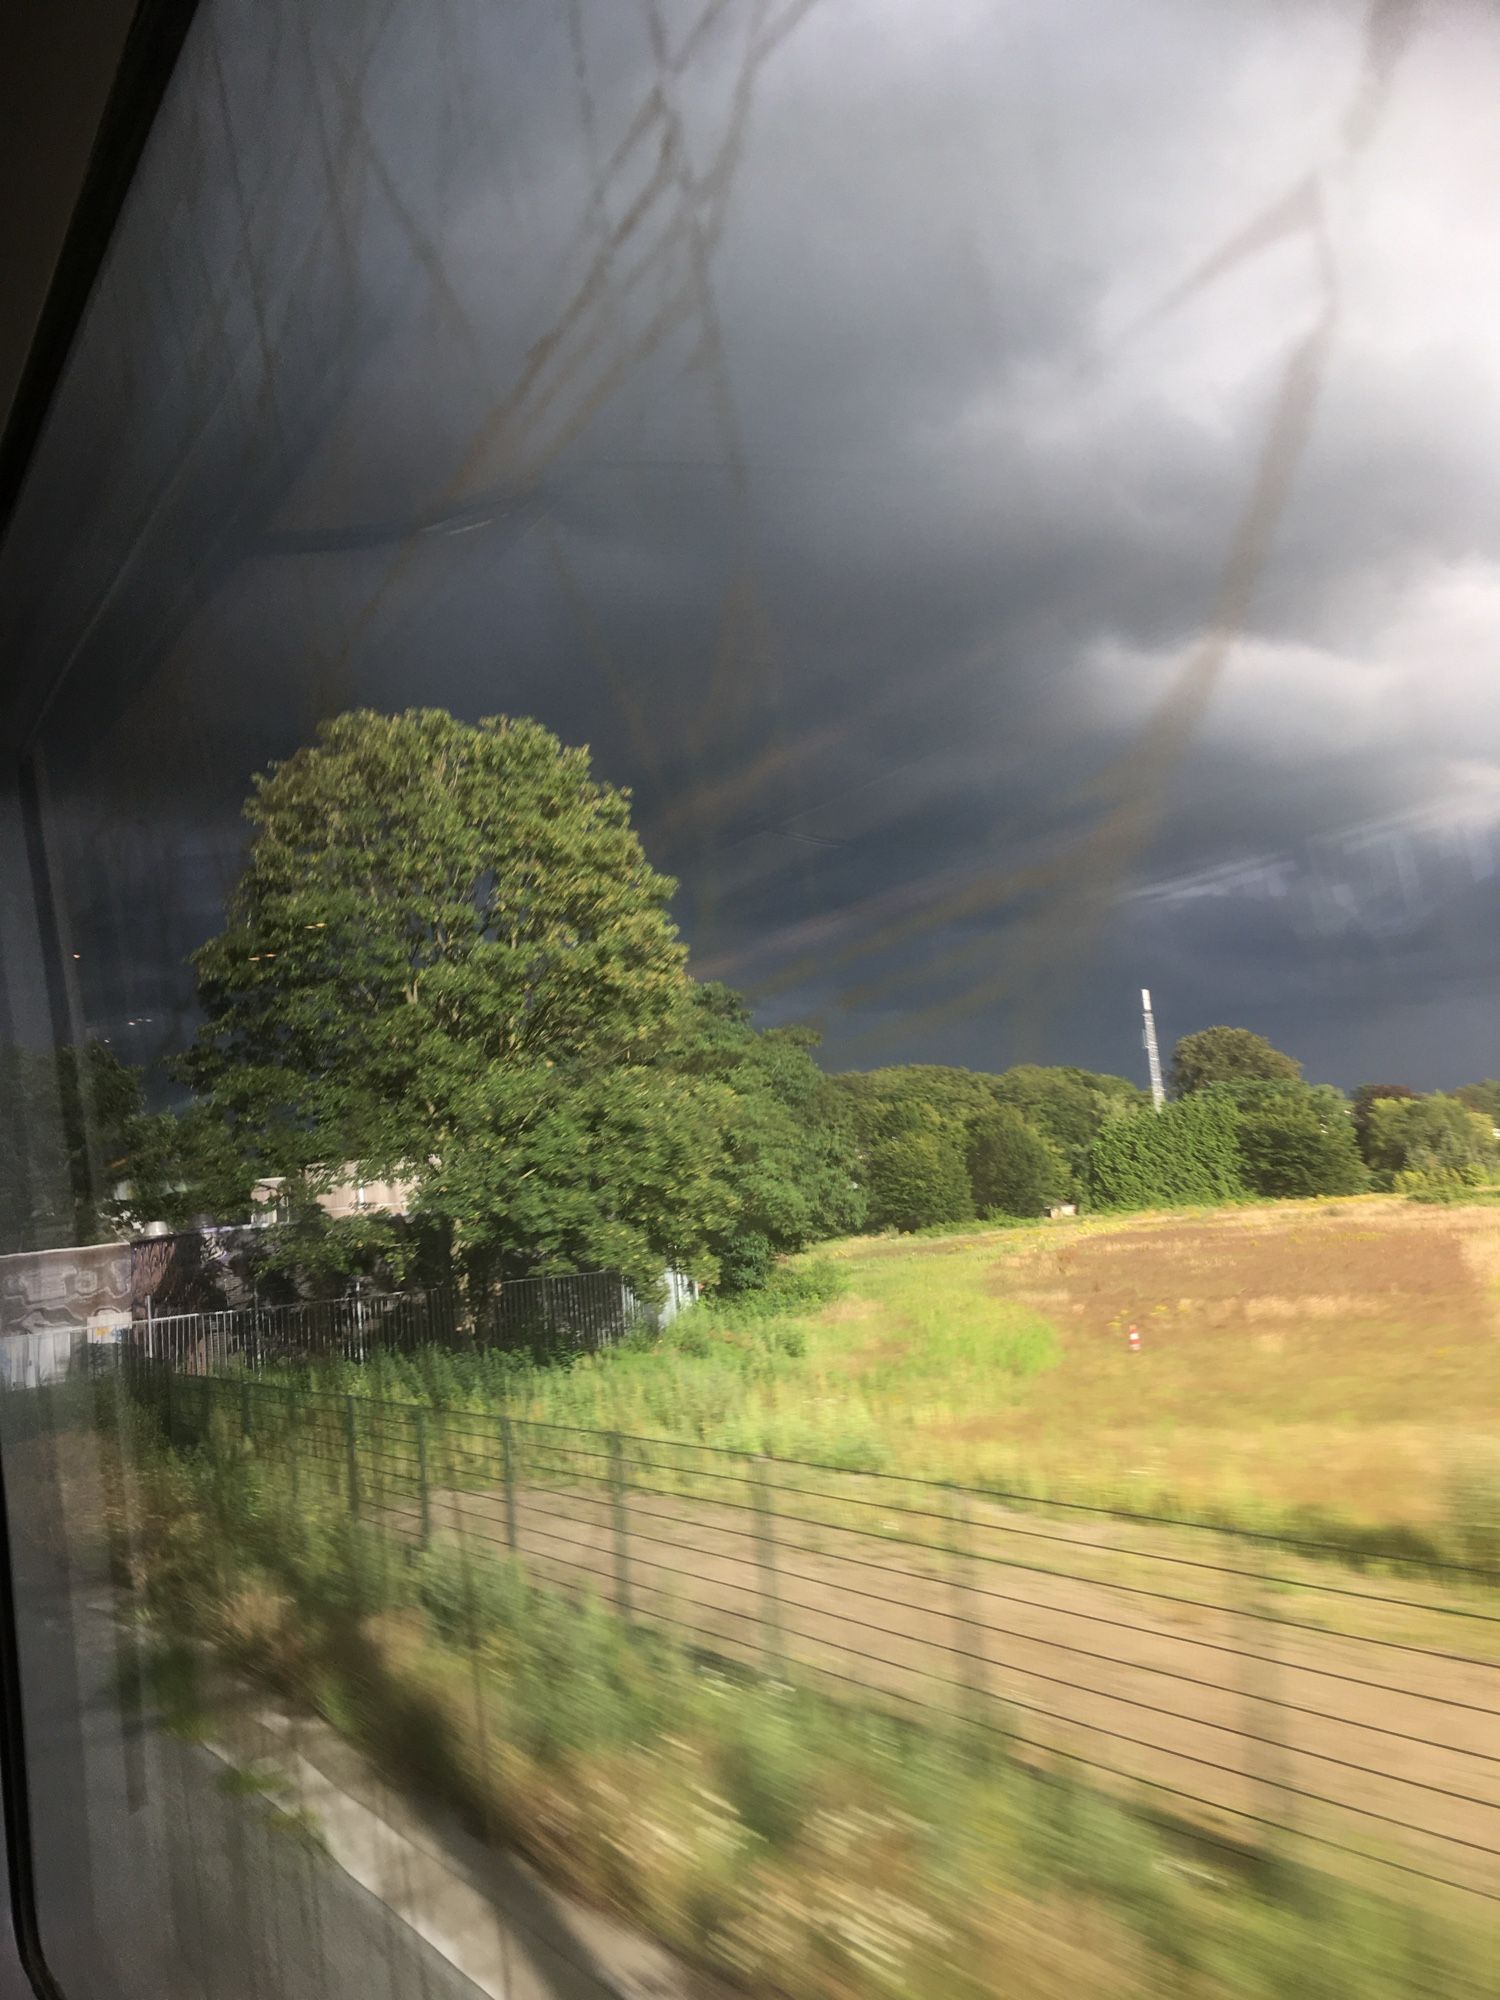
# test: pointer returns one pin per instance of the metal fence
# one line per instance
(582, 1311)
(592, 1310)
(261, 1336)
(1256, 1691)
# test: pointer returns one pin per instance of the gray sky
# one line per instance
(1009, 483)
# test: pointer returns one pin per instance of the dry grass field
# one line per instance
(1333, 1358)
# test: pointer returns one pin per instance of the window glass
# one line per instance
(785, 1264)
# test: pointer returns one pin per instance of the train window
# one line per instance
(748, 1205)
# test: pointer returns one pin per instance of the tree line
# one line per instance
(448, 963)
(946, 1145)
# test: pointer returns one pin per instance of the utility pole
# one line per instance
(1153, 1056)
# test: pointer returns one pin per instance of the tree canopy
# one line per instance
(1437, 1138)
(1014, 1170)
(1227, 1055)
(1483, 1097)
(1185, 1154)
(75, 1115)
(1067, 1106)
(1365, 1098)
(1295, 1139)
(912, 1096)
(917, 1178)
(790, 1157)
(1064, 1106)
(449, 961)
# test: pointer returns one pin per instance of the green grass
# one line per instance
(783, 1375)
(783, 1839)
(1329, 1370)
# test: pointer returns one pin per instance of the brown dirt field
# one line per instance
(1344, 1361)
(1220, 1272)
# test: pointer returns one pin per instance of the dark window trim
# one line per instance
(150, 53)
(148, 58)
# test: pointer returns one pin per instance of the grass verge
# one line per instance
(790, 1842)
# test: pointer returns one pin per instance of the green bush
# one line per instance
(1013, 1170)
(789, 1288)
(1441, 1185)
(746, 1261)
(466, 1599)
(1182, 1155)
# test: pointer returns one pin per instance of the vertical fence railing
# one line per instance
(424, 1480)
(260, 1336)
(581, 1312)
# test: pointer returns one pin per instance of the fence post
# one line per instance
(1264, 1761)
(622, 1531)
(765, 1549)
(117, 1468)
(351, 1421)
(508, 1475)
(424, 1490)
(966, 1636)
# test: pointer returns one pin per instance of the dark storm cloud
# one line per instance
(777, 396)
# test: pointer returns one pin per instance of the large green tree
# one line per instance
(72, 1117)
(448, 961)
(1067, 1106)
(1483, 1097)
(1227, 1055)
(913, 1096)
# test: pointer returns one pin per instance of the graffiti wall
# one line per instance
(196, 1270)
(52, 1302)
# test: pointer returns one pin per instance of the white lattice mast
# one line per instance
(1153, 1054)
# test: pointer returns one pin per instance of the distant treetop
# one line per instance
(1228, 1055)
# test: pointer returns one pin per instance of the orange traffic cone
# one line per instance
(1135, 1340)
